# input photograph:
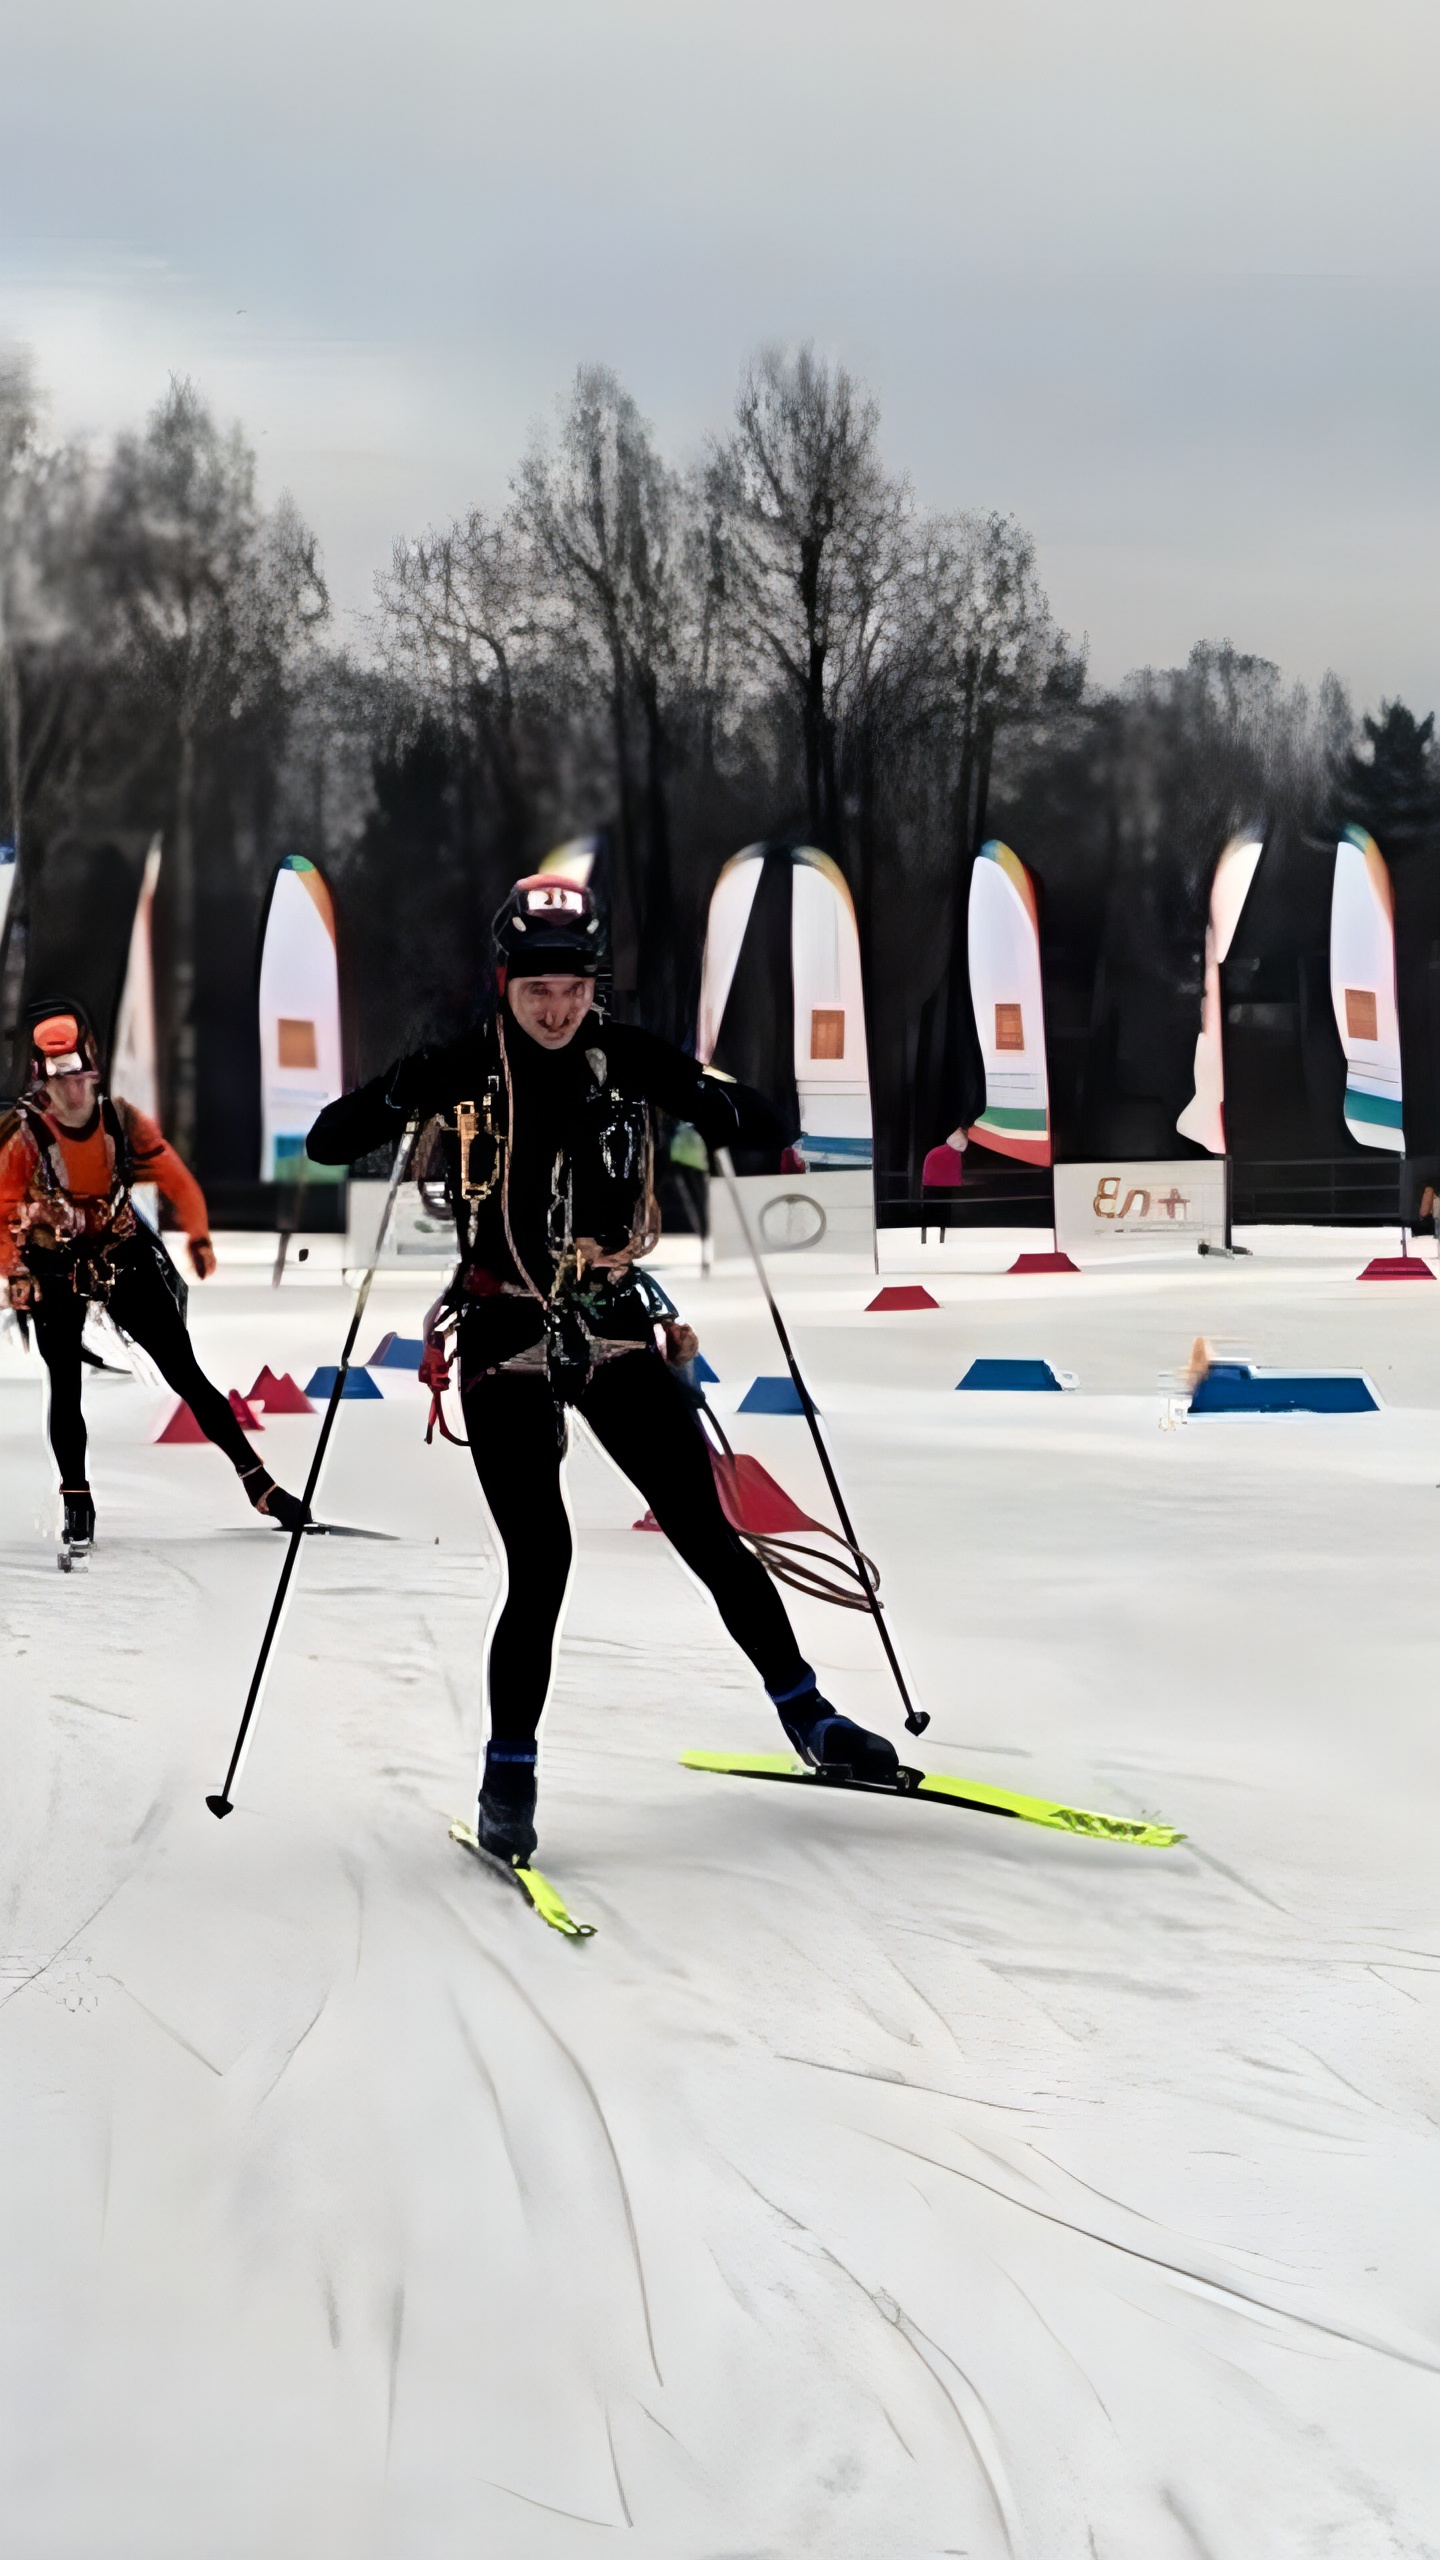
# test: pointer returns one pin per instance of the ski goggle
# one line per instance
(57, 1040)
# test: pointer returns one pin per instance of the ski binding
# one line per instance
(538, 1891)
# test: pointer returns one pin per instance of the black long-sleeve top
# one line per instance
(573, 1158)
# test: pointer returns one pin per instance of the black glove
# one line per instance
(736, 1115)
(407, 1084)
(360, 1121)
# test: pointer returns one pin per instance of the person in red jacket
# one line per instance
(70, 1238)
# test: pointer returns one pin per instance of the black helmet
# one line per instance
(549, 926)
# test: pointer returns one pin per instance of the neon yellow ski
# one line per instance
(539, 1892)
(970, 1792)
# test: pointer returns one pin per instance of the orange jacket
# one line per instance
(88, 1166)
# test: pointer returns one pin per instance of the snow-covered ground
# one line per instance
(882, 2180)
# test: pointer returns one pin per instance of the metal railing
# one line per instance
(1319, 1191)
(1322, 1191)
(1018, 1195)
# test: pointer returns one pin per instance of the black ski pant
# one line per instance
(144, 1309)
(638, 1413)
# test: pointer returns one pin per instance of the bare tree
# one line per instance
(214, 600)
(1219, 743)
(457, 611)
(605, 516)
(56, 694)
(54, 637)
(818, 543)
(983, 656)
(19, 473)
(990, 654)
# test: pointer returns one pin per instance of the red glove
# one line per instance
(202, 1256)
(22, 1291)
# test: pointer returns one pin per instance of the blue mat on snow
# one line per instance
(772, 1395)
(358, 1382)
(1035, 1376)
(1233, 1386)
(702, 1373)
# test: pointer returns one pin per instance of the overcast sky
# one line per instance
(1158, 275)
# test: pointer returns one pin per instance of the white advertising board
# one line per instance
(414, 1235)
(796, 1213)
(790, 1213)
(1115, 1208)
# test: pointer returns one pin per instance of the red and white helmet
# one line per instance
(549, 925)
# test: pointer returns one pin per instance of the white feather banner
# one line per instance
(832, 1063)
(1362, 991)
(832, 1060)
(133, 1067)
(300, 1057)
(1008, 999)
(1203, 1118)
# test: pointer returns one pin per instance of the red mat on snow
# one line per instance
(751, 1500)
(183, 1429)
(894, 1302)
(279, 1395)
(1397, 1266)
(1027, 1264)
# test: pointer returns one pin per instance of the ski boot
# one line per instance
(285, 1509)
(505, 1813)
(830, 1743)
(77, 1531)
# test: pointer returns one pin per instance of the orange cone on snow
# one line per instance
(751, 1500)
(279, 1395)
(183, 1431)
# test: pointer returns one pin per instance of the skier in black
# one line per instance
(545, 1137)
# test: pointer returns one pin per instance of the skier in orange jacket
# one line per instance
(70, 1237)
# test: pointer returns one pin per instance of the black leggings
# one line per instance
(639, 1414)
(144, 1309)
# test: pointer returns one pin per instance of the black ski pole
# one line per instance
(223, 1803)
(915, 1717)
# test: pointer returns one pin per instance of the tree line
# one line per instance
(775, 640)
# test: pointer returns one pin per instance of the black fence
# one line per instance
(1020, 1195)
(1326, 1191)
(1321, 1191)
(304, 1209)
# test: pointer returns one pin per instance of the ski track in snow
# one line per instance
(882, 2181)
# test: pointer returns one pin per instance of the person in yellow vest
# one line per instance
(71, 1238)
